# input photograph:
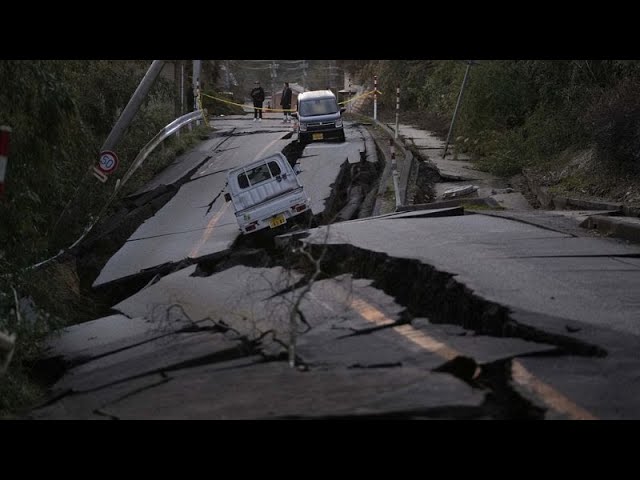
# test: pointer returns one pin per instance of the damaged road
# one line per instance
(422, 314)
(197, 222)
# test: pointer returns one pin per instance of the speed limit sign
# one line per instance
(108, 161)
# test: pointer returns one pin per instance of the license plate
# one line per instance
(277, 221)
(317, 136)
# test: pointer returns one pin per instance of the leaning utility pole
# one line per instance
(177, 77)
(455, 111)
(197, 67)
(133, 106)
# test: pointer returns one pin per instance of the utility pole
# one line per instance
(304, 74)
(197, 67)
(133, 106)
(177, 111)
(181, 87)
(397, 110)
(375, 98)
(455, 112)
(274, 74)
(328, 76)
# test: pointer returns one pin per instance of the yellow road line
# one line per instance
(209, 230)
(550, 396)
(216, 217)
(376, 316)
(259, 155)
(427, 342)
(369, 312)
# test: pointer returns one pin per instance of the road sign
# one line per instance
(108, 161)
(99, 175)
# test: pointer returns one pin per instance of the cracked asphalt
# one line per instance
(417, 315)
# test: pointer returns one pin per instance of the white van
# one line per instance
(319, 117)
(266, 194)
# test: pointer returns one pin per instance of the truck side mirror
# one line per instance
(342, 110)
(227, 197)
(294, 114)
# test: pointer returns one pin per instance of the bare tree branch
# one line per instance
(294, 312)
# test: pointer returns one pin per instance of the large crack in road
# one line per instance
(422, 290)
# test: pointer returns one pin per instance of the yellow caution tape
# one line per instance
(360, 96)
(242, 105)
(285, 109)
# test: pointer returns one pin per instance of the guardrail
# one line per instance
(404, 167)
(162, 135)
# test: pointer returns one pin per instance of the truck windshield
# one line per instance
(319, 106)
(258, 174)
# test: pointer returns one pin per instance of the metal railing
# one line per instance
(162, 135)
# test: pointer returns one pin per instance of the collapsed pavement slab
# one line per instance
(243, 298)
(505, 262)
(160, 354)
(83, 341)
(273, 390)
(90, 405)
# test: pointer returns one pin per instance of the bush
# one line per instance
(614, 124)
(61, 113)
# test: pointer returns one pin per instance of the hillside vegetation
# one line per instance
(538, 115)
(61, 112)
(576, 123)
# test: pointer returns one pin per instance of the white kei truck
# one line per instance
(266, 194)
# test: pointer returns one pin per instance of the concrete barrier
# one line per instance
(621, 227)
(405, 163)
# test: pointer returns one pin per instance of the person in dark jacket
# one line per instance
(257, 94)
(285, 102)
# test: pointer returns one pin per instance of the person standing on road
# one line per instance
(285, 102)
(257, 94)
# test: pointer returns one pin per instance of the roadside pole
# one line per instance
(196, 82)
(181, 87)
(177, 110)
(375, 98)
(397, 109)
(394, 173)
(133, 106)
(176, 88)
(455, 112)
(197, 66)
